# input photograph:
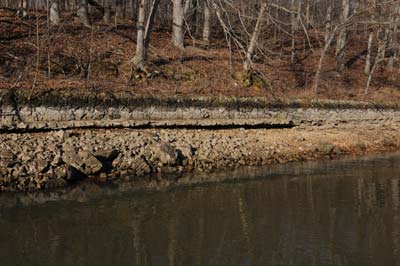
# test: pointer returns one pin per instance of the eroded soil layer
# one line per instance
(39, 161)
(23, 111)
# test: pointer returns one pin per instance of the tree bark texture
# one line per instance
(342, 36)
(83, 13)
(206, 25)
(55, 12)
(177, 24)
(140, 55)
(254, 37)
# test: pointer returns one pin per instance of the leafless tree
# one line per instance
(254, 30)
(177, 24)
(144, 31)
(140, 55)
(55, 12)
(83, 13)
(22, 8)
(107, 11)
(207, 21)
(255, 36)
(342, 36)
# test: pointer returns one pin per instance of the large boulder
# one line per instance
(140, 166)
(82, 161)
(41, 165)
(165, 154)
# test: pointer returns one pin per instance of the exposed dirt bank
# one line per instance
(21, 111)
(51, 139)
(39, 161)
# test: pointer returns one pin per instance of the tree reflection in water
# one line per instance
(334, 213)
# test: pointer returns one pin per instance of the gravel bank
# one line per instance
(40, 161)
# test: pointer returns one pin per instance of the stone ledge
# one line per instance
(53, 110)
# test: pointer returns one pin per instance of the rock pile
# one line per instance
(38, 161)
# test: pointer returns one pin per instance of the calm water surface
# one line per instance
(332, 213)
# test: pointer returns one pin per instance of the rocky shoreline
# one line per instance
(51, 139)
(47, 160)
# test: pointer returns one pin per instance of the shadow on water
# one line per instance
(331, 213)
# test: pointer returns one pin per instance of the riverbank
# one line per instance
(52, 139)
(46, 160)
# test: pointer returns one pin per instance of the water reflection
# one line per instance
(343, 213)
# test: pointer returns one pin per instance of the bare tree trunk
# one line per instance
(393, 43)
(321, 59)
(22, 6)
(107, 11)
(66, 5)
(123, 9)
(99, 7)
(188, 5)
(131, 9)
(367, 68)
(83, 13)
(189, 14)
(293, 27)
(140, 55)
(206, 26)
(308, 14)
(177, 24)
(118, 10)
(150, 22)
(342, 36)
(193, 16)
(380, 56)
(55, 12)
(328, 23)
(254, 37)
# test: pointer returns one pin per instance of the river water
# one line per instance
(330, 213)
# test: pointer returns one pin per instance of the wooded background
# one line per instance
(256, 31)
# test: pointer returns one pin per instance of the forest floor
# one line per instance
(38, 56)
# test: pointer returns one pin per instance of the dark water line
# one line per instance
(150, 125)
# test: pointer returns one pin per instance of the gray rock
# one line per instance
(25, 157)
(140, 166)
(82, 161)
(61, 172)
(3, 170)
(165, 154)
(361, 145)
(16, 172)
(41, 165)
(68, 147)
(118, 161)
(186, 150)
(56, 161)
(326, 147)
(388, 142)
(7, 155)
